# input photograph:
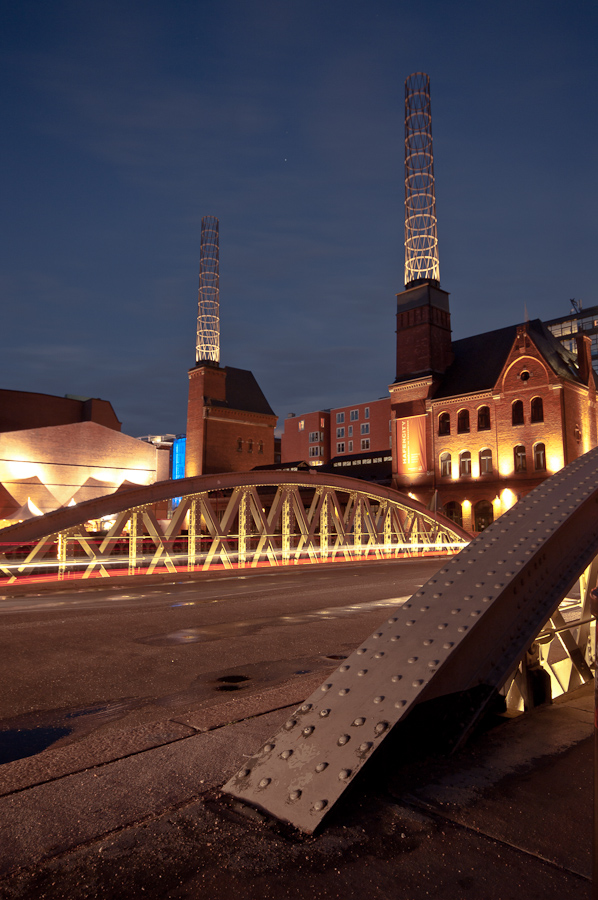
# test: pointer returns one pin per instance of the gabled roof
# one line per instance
(243, 392)
(479, 359)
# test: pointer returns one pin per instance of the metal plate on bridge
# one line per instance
(467, 626)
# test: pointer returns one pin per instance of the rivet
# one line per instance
(343, 691)
(486, 599)
(320, 804)
(455, 612)
(264, 782)
(436, 596)
(442, 626)
(324, 713)
(380, 727)
(498, 586)
(359, 721)
(285, 754)
(290, 724)
(294, 795)
(306, 707)
(344, 774)
(321, 766)
(390, 621)
(325, 687)
(447, 583)
(412, 659)
(268, 748)
(474, 612)
(396, 678)
(468, 597)
(420, 594)
(424, 608)
(379, 655)
(400, 704)
(427, 642)
(479, 584)
(344, 668)
(432, 663)
(375, 635)
(244, 773)
(378, 699)
(406, 606)
(395, 637)
(417, 683)
(363, 672)
(309, 729)
(411, 622)
(343, 739)
(448, 645)
(361, 651)
(462, 628)
(365, 746)
(492, 572)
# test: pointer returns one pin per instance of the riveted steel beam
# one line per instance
(467, 627)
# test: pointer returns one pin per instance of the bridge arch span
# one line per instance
(467, 628)
(231, 519)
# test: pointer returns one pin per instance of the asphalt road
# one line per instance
(73, 661)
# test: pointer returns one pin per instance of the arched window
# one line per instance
(250, 446)
(445, 464)
(239, 445)
(453, 511)
(517, 412)
(483, 418)
(519, 458)
(540, 458)
(444, 423)
(463, 421)
(486, 462)
(260, 446)
(465, 463)
(537, 410)
(483, 515)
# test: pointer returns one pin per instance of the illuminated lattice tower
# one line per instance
(207, 348)
(421, 237)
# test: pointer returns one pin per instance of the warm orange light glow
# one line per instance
(507, 499)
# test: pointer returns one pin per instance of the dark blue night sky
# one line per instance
(124, 122)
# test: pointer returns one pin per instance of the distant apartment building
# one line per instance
(579, 320)
(328, 435)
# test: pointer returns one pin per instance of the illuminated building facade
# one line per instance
(511, 408)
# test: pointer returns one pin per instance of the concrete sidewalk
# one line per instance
(141, 816)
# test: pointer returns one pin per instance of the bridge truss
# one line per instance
(225, 521)
(481, 624)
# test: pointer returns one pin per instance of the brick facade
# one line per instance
(230, 426)
(486, 448)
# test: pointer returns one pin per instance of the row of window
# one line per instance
(483, 514)
(353, 415)
(364, 429)
(340, 447)
(484, 424)
(260, 446)
(485, 461)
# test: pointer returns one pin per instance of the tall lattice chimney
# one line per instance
(423, 313)
(207, 347)
(421, 237)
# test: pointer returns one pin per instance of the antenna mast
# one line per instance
(421, 237)
(207, 346)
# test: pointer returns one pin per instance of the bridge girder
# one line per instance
(236, 519)
(466, 628)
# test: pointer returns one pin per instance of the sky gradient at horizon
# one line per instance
(125, 123)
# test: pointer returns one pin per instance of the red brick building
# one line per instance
(479, 422)
(328, 436)
(230, 424)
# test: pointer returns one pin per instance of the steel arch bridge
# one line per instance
(483, 623)
(224, 521)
